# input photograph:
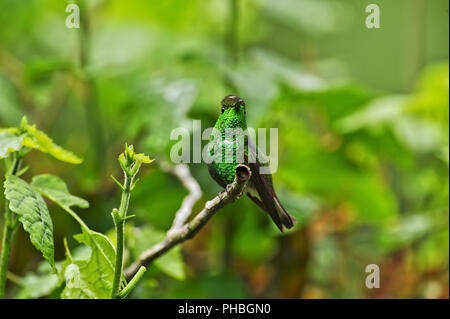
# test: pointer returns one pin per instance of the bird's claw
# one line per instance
(225, 191)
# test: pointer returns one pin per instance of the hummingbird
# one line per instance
(260, 188)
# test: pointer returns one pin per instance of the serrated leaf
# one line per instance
(56, 190)
(91, 277)
(39, 140)
(33, 213)
(170, 263)
(88, 276)
(9, 143)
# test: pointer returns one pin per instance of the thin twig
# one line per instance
(190, 229)
(183, 173)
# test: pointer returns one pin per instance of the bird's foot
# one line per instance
(225, 192)
(228, 189)
(239, 196)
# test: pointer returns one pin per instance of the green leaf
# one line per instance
(170, 263)
(143, 158)
(33, 214)
(375, 115)
(9, 143)
(12, 130)
(44, 66)
(418, 135)
(76, 286)
(39, 140)
(40, 284)
(91, 277)
(56, 190)
(389, 112)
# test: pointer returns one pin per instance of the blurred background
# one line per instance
(363, 119)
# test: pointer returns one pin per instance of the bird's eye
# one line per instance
(223, 109)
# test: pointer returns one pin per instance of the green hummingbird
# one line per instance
(222, 169)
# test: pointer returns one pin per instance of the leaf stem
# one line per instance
(8, 232)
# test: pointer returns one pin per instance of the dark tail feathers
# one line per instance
(287, 220)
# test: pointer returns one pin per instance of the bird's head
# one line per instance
(232, 112)
(232, 101)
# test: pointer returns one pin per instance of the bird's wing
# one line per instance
(265, 196)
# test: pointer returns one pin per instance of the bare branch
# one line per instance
(190, 229)
(184, 175)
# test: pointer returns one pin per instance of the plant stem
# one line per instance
(231, 37)
(119, 222)
(93, 114)
(119, 259)
(125, 291)
(8, 234)
(6, 252)
(231, 43)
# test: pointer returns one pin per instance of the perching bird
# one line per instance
(230, 142)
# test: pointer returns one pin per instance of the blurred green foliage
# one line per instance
(363, 118)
